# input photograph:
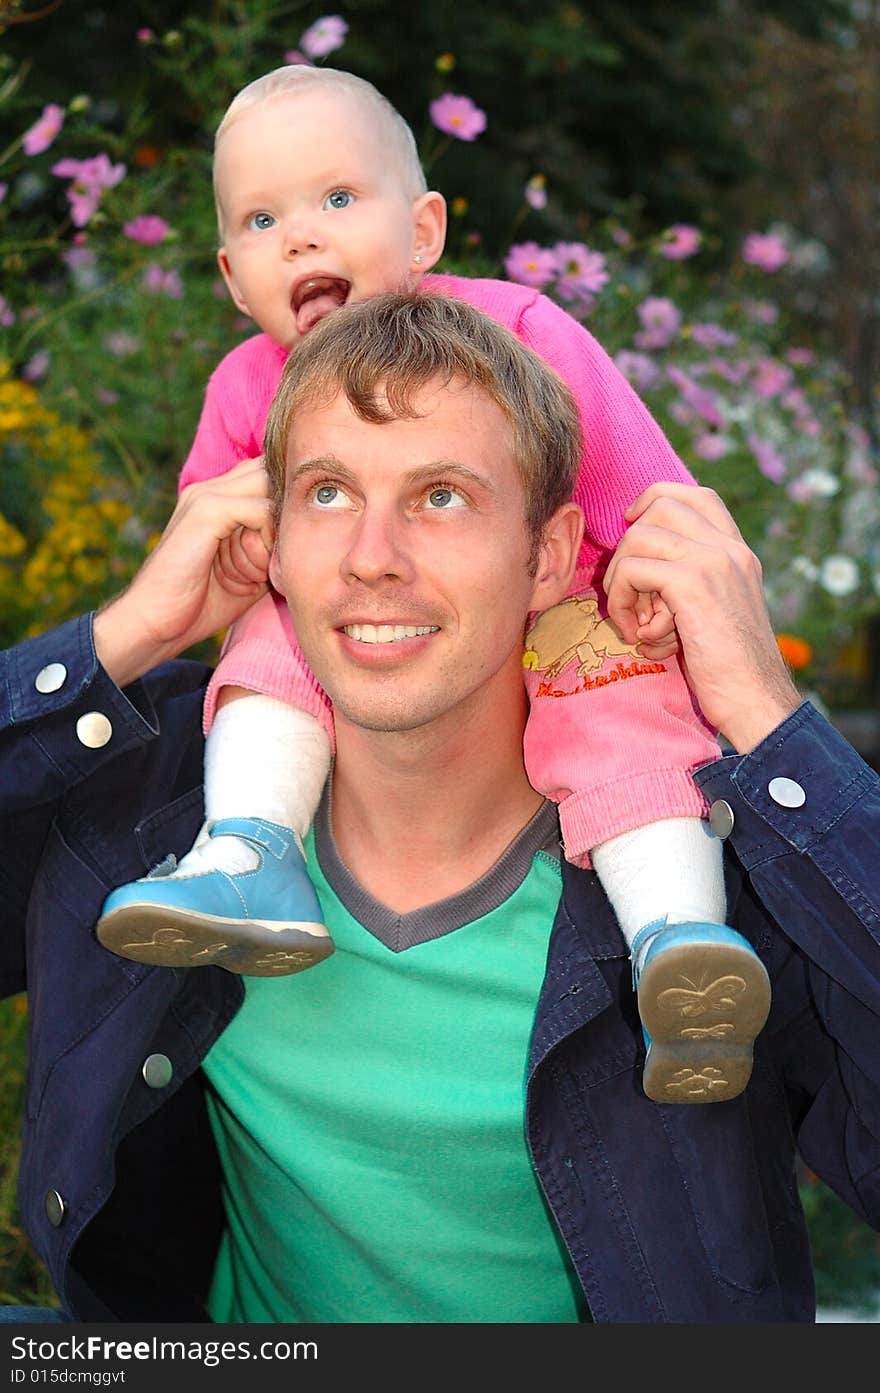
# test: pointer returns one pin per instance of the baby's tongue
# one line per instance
(317, 308)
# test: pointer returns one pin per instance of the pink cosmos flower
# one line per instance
(765, 250)
(620, 237)
(160, 282)
(147, 228)
(703, 404)
(324, 36)
(801, 357)
(41, 134)
(79, 258)
(734, 373)
(761, 311)
(294, 56)
(680, 241)
(37, 367)
(4, 189)
(770, 462)
(660, 320)
(107, 397)
(458, 116)
(145, 36)
(771, 378)
(581, 271)
(90, 179)
(638, 369)
(536, 192)
(7, 314)
(121, 344)
(711, 445)
(530, 264)
(712, 336)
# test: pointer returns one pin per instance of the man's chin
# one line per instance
(382, 721)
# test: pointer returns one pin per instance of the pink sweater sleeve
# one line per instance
(625, 449)
(233, 418)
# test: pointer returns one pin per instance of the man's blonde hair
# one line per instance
(382, 351)
(297, 78)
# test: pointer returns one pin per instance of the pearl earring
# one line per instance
(417, 258)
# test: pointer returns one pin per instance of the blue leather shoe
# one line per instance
(261, 923)
(703, 996)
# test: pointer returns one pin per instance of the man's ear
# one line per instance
(226, 273)
(557, 557)
(275, 569)
(429, 228)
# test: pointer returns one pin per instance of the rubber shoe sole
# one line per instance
(170, 937)
(702, 1006)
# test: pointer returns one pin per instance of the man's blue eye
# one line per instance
(339, 198)
(326, 494)
(444, 497)
(261, 221)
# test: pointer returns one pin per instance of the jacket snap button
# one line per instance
(93, 730)
(786, 793)
(51, 678)
(157, 1071)
(56, 1208)
(721, 818)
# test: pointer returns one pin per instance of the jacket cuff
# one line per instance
(789, 791)
(55, 684)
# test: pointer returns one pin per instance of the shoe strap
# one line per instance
(640, 943)
(268, 836)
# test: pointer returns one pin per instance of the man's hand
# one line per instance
(209, 566)
(683, 545)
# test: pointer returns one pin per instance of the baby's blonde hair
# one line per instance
(297, 78)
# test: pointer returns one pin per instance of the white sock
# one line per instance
(263, 758)
(668, 869)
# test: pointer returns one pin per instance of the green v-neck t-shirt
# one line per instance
(369, 1112)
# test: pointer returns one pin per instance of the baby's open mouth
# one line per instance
(315, 297)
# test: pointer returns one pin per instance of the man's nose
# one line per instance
(378, 548)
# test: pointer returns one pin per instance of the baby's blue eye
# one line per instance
(260, 222)
(445, 497)
(339, 198)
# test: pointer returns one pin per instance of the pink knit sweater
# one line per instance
(612, 741)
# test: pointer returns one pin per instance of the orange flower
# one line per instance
(796, 651)
(146, 156)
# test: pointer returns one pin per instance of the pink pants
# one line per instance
(610, 737)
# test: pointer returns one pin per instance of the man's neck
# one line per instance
(420, 815)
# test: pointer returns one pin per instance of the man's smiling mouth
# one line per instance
(388, 633)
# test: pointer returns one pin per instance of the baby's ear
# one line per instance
(226, 273)
(429, 228)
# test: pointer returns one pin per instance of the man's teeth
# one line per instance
(387, 633)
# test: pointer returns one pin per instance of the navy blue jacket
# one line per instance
(670, 1213)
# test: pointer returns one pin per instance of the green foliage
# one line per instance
(23, 1278)
(846, 1255)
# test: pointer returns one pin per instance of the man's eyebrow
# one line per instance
(318, 464)
(422, 474)
(449, 469)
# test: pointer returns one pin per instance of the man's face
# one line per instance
(315, 211)
(403, 553)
